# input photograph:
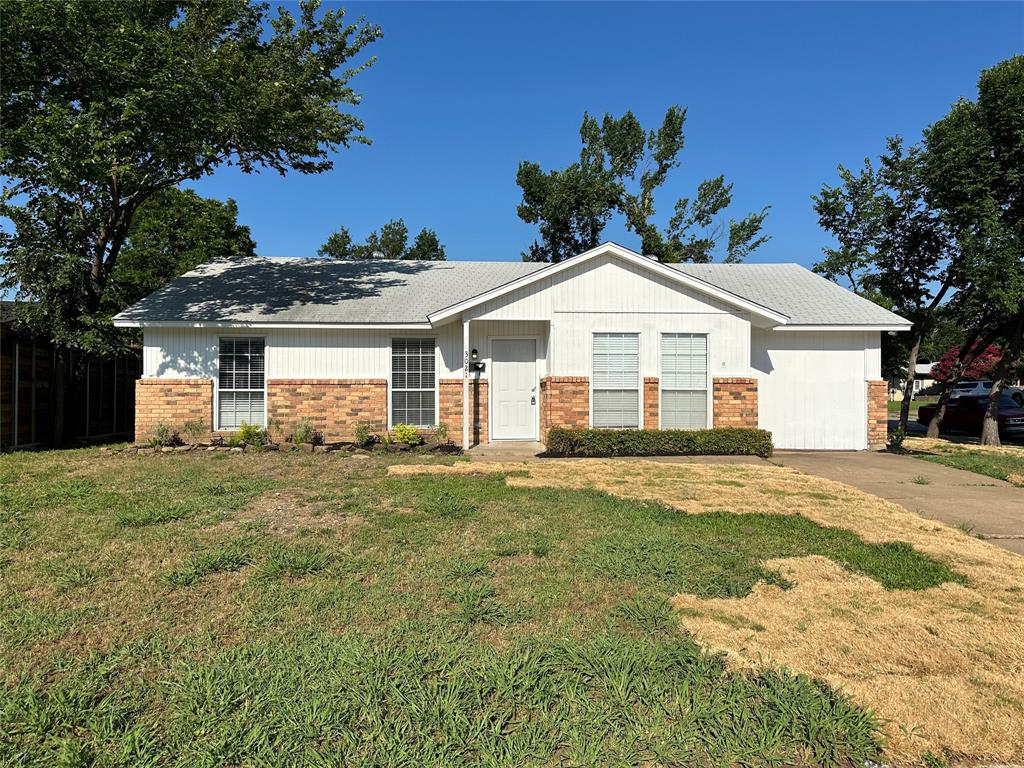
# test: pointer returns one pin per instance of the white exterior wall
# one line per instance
(606, 294)
(186, 353)
(812, 390)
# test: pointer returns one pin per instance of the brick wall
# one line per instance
(172, 402)
(651, 402)
(878, 413)
(450, 396)
(333, 406)
(564, 402)
(735, 402)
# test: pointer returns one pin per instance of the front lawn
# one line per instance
(1004, 463)
(225, 609)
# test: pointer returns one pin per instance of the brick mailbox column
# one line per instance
(735, 402)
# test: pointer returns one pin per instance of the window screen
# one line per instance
(616, 381)
(413, 382)
(241, 380)
(684, 381)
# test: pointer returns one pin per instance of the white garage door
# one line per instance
(811, 390)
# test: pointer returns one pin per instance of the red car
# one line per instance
(967, 414)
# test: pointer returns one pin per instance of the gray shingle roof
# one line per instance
(301, 290)
(804, 297)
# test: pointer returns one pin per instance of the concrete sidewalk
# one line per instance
(993, 507)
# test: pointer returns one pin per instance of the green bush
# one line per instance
(195, 429)
(659, 442)
(407, 433)
(164, 436)
(304, 433)
(364, 436)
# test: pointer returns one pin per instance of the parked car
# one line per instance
(967, 414)
(972, 388)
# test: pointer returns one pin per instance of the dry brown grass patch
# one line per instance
(944, 666)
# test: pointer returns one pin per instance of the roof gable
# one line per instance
(767, 315)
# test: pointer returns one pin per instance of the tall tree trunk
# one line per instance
(990, 427)
(968, 352)
(908, 386)
(1009, 361)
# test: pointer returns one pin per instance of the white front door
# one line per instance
(514, 389)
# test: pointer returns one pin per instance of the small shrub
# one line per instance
(407, 433)
(164, 436)
(195, 429)
(659, 442)
(252, 435)
(894, 442)
(304, 433)
(364, 436)
(234, 441)
(441, 433)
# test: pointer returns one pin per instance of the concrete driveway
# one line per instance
(994, 508)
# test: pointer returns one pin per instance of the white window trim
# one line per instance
(710, 416)
(639, 373)
(216, 378)
(437, 378)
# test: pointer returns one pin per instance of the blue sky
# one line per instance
(777, 95)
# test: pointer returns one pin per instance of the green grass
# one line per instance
(299, 610)
(917, 402)
(1002, 466)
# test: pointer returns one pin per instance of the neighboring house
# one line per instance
(606, 339)
(98, 392)
(923, 382)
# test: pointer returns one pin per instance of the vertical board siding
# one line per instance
(811, 388)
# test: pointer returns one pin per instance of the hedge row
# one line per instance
(659, 442)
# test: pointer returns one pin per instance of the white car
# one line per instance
(972, 388)
(978, 389)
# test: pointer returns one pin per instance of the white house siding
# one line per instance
(811, 386)
(608, 294)
(310, 353)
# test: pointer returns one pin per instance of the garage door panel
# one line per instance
(811, 389)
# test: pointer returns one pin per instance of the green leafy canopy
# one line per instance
(619, 169)
(392, 242)
(104, 105)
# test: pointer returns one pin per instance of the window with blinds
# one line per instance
(413, 382)
(241, 379)
(684, 381)
(616, 381)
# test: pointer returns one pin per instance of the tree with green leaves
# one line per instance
(106, 105)
(619, 169)
(893, 248)
(173, 232)
(974, 172)
(392, 242)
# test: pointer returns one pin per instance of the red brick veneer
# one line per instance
(172, 402)
(878, 413)
(333, 406)
(735, 402)
(652, 397)
(564, 402)
(450, 396)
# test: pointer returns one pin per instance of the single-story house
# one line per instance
(609, 339)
